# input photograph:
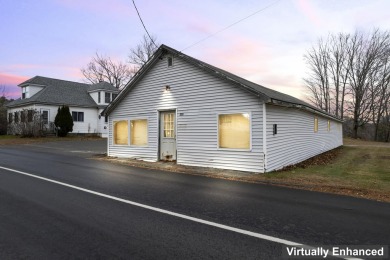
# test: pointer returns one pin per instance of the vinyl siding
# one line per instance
(90, 124)
(101, 124)
(296, 140)
(198, 98)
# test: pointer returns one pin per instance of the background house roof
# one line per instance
(268, 95)
(102, 86)
(56, 92)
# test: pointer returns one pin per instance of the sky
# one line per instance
(56, 38)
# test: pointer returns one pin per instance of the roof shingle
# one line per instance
(57, 92)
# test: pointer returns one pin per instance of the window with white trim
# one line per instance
(234, 131)
(121, 132)
(78, 116)
(45, 116)
(315, 124)
(107, 97)
(139, 132)
(16, 117)
(24, 92)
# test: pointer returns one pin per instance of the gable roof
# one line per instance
(268, 95)
(56, 92)
(102, 86)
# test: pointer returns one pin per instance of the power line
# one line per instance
(227, 27)
(144, 24)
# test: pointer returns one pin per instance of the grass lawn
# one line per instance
(361, 171)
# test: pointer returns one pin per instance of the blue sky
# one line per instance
(55, 38)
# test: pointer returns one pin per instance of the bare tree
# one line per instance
(349, 73)
(143, 51)
(318, 82)
(102, 68)
(365, 58)
(338, 71)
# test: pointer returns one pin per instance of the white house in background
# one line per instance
(180, 108)
(45, 95)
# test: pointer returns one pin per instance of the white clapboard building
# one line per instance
(44, 95)
(182, 109)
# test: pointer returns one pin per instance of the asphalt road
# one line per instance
(45, 220)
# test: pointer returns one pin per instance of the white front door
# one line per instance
(168, 136)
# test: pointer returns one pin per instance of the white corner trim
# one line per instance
(265, 136)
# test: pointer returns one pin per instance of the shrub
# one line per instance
(63, 121)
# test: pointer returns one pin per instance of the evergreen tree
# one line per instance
(63, 121)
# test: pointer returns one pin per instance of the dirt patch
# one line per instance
(322, 159)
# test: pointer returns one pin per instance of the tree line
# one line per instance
(349, 76)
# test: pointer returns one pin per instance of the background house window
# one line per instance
(107, 97)
(234, 131)
(121, 132)
(22, 116)
(328, 125)
(45, 116)
(275, 129)
(78, 116)
(30, 114)
(98, 97)
(315, 125)
(139, 132)
(24, 92)
(114, 96)
(9, 117)
(16, 117)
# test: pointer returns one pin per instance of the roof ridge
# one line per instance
(43, 77)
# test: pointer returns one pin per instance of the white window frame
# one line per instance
(78, 116)
(316, 124)
(110, 98)
(113, 131)
(147, 129)
(48, 114)
(250, 131)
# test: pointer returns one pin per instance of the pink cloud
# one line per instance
(10, 79)
(240, 56)
(8, 85)
(306, 7)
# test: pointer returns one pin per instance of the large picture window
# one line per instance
(121, 132)
(234, 131)
(139, 132)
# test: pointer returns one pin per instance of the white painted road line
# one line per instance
(198, 220)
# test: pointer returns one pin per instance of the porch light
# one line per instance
(167, 88)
